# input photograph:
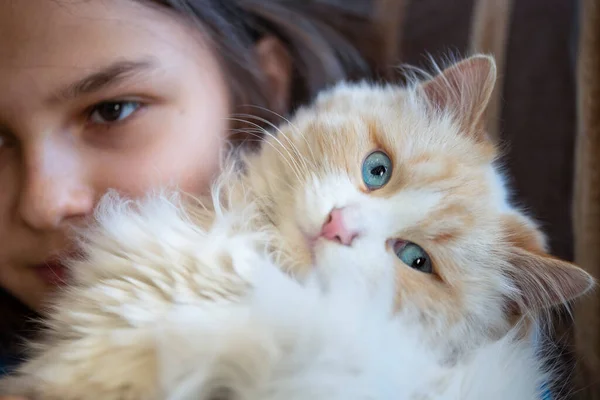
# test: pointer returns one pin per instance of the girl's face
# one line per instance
(95, 95)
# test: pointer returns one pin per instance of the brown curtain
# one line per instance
(586, 204)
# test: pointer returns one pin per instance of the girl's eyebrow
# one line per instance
(104, 77)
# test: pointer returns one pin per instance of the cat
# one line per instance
(368, 250)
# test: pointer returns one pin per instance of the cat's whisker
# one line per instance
(291, 124)
(299, 157)
(270, 124)
(267, 133)
(281, 133)
(288, 159)
(264, 132)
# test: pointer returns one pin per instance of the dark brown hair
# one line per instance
(328, 40)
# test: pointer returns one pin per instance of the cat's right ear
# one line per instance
(463, 89)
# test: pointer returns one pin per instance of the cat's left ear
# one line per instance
(464, 89)
(543, 281)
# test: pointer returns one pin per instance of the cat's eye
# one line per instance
(110, 112)
(413, 255)
(376, 170)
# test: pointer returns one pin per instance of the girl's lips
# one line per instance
(52, 273)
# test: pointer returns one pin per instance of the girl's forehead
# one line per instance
(84, 34)
(85, 31)
(47, 45)
(43, 21)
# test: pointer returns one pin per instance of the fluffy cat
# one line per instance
(367, 251)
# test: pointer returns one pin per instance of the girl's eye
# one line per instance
(376, 170)
(113, 111)
(413, 255)
(6, 141)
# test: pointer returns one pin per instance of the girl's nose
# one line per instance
(54, 189)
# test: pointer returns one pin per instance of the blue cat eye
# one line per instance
(413, 255)
(376, 170)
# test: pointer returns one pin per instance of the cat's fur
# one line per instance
(237, 297)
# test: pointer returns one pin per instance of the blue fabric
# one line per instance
(546, 394)
(8, 364)
(4, 367)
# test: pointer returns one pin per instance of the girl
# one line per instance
(136, 94)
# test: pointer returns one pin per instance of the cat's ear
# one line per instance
(543, 281)
(464, 89)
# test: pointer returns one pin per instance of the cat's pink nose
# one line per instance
(335, 229)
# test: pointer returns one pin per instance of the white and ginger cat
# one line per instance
(367, 251)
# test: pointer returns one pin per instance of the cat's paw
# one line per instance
(142, 261)
(166, 245)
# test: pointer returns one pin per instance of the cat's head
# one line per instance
(378, 177)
